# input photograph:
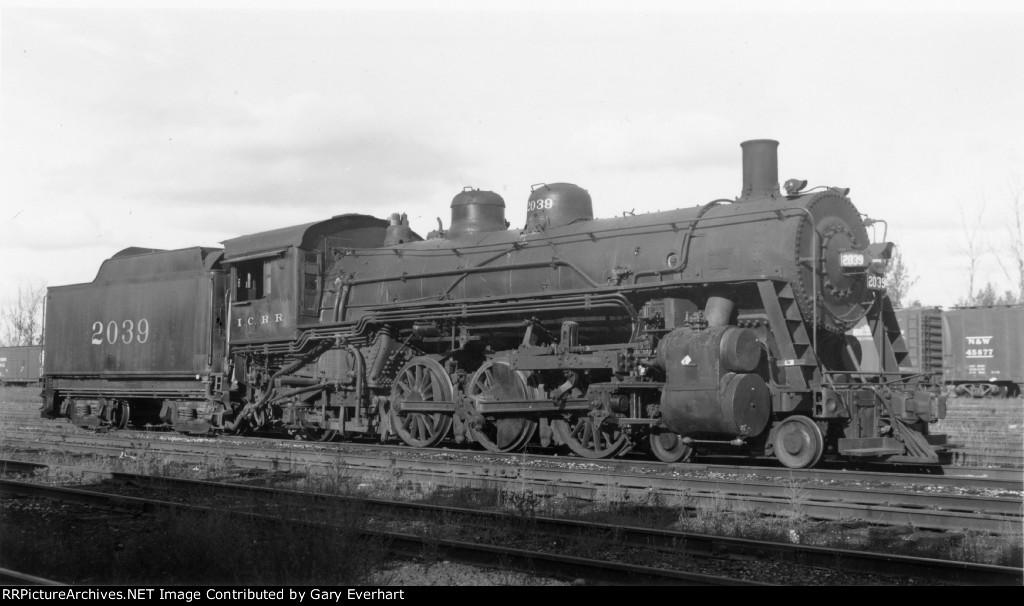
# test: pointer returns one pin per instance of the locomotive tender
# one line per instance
(719, 325)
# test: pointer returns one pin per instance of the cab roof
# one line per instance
(353, 230)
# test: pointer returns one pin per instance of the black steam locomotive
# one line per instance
(675, 331)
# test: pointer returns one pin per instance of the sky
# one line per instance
(129, 124)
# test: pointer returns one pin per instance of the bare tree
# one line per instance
(898, 279)
(1013, 266)
(987, 297)
(973, 245)
(21, 316)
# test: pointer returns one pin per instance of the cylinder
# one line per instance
(760, 169)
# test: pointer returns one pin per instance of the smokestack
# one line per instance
(760, 169)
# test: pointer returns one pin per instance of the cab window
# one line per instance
(311, 284)
(252, 280)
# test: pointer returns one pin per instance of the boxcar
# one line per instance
(983, 350)
(150, 325)
(21, 365)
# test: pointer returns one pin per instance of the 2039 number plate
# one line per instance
(876, 282)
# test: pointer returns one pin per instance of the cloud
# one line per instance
(303, 149)
(654, 142)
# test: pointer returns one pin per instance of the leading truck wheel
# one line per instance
(668, 446)
(421, 380)
(798, 443)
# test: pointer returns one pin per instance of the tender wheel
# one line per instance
(497, 380)
(668, 446)
(120, 414)
(798, 443)
(589, 439)
(423, 380)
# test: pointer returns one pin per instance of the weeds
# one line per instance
(796, 497)
(174, 547)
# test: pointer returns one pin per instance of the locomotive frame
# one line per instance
(716, 326)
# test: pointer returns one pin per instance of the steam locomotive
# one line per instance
(718, 326)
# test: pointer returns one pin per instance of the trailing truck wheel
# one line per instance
(668, 446)
(421, 380)
(498, 381)
(798, 443)
(589, 438)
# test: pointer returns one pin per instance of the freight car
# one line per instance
(983, 350)
(21, 365)
(721, 324)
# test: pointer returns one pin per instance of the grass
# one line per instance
(981, 427)
(216, 548)
(705, 513)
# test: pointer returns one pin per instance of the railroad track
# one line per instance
(669, 542)
(974, 450)
(13, 577)
(65, 437)
(816, 493)
(593, 571)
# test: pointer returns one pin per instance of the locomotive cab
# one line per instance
(276, 281)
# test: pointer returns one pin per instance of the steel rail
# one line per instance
(677, 542)
(597, 571)
(10, 577)
(982, 478)
(819, 502)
